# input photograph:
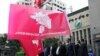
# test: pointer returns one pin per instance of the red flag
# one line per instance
(40, 46)
(28, 25)
(29, 21)
(30, 46)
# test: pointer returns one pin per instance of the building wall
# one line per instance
(94, 6)
(95, 15)
(80, 25)
(54, 4)
(26, 2)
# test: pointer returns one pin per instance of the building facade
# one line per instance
(94, 6)
(54, 5)
(80, 25)
(26, 2)
(46, 4)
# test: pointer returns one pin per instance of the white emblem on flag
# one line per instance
(42, 19)
(35, 42)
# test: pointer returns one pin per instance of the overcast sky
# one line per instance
(76, 4)
(4, 10)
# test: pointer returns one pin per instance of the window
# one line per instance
(74, 36)
(77, 35)
(58, 6)
(26, 3)
(26, 0)
(22, 3)
(69, 20)
(61, 7)
(55, 5)
(64, 8)
(80, 17)
(83, 16)
(89, 34)
(87, 15)
(85, 34)
(75, 18)
(72, 20)
(81, 34)
(48, 8)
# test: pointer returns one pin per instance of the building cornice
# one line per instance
(78, 11)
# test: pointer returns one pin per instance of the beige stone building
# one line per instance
(80, 25)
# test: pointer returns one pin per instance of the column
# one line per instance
(79, 36)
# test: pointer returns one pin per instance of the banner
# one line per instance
(29, 21)
(30, 25)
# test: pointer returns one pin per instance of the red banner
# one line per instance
(29, 25)
(29, 21)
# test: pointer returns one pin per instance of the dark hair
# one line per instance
(69, 40)
(82, 40)
(78, 41)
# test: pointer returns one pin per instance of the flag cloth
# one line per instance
(29, 21)
(38, 3)
(29, 25)
(30, 46)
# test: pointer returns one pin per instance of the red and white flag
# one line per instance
(28, 24)
(29, 21)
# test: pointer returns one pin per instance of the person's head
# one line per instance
(82, 41)
(69, 40)
(90, 50)
(78, 42)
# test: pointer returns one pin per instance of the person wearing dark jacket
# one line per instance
(84, 50)
(78, 49)
(70, 48)
(54, 48)
(47, 52)
(62, 51)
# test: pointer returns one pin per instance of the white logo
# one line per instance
(42, 19)
(35, 42)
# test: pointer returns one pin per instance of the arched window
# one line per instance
(83, 16)
(80, 17)
(87, 15)
(75, 18)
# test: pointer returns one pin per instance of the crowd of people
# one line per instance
(67, 49)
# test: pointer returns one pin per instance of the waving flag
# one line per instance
(28, 24)
(29, 21)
